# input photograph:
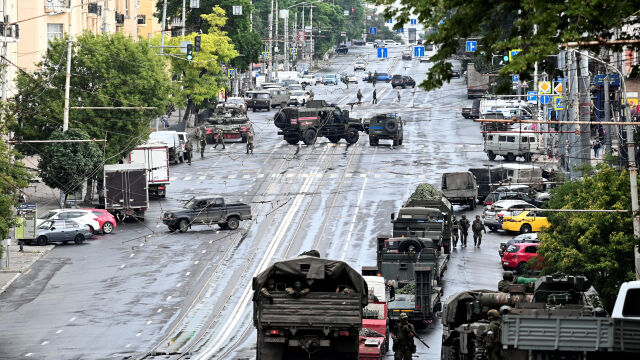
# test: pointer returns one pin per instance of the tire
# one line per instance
(373, 141)
(352, 136)
(388, 81)
(525, 229)
(42, 241)
(491, 155)
(395, 142)
(78, 239)
(223, 226)
(410, 245)
(233, 223)
(492, 228)
(181, 159)
(172, 229)
(93, 231)
(391, 126)
(309, 137)
(293, 141)
(107, 228)
(527, 157)
(183, 225)
(472, 204)
(253, 109)
(334, 139)
(400, 141)
(280, 120)
(510, 157)
(283, 105)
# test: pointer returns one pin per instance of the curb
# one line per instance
(5, 286)
(20, 272)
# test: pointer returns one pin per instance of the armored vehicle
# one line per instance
(415, 266)
(317, 119)
(232, 120)
(385, 127)
(322, 321)
(460, 188)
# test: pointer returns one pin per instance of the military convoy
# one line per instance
(317, 119)
(232, 119)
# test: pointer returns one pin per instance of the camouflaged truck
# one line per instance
(317, 119)
(233, 121)
(385, 127)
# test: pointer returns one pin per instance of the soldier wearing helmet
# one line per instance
(507, 280)
(266, 291)
(402, 334)
(492, 342)
(297, 290)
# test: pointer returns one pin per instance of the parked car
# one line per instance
(510, 195)
(308, 79)
(494, 214)
(406, 55)
(299, 97)
(379, 77)
(349, 78)
(106, 220)
(84, 217)
(358, 42)
(522, 238)
(511, 145)
(342, 49)
(330, 79)
(402, 81)
(359, 65)
(62, 231)
(526, 222)
(516, 256)
(172, 139)
(390, 42)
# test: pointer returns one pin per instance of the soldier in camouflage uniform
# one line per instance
(250, 141)
(402, 335)
(266, 291)
(477, 227)
(464, 230)
(492, 342)
(219, 139)
(296, 291)
(507, 280)
(455, 231)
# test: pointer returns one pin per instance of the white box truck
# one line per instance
(155, 158)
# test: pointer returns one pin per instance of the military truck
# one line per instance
(385, 127)
(323, 324)
(415, 266)
(460, 188)
(317, 119)
(232, 120)
(427, 213)
(477, 83)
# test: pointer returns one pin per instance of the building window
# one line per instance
(57, 5)
(126, 8)
(54, 32)
(142, 19)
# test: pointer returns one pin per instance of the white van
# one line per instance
(511, 145)
(524, 174)
(172, 140)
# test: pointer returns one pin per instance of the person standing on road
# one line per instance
(311, 94)
(596, 147)
(455, 228)
(165, 121)
(375, 79)
(398, 96)
(375, 97)
(402, 334)
(202, 144)
(189, 147)
(477, 227)
(464, 230)
(359, 96)
(219, 139)
(250, 141)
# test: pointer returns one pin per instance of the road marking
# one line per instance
(304, 175)
(72, 319)
(333, 176)
(353, 220)
(138, 334)
(128, 345)
(407, 176)
(179, 284)
(59, 331)
(28, 271)
(233, 176)
(122, 266)
(159, 310)
(132, 255)
(204, 251)
(202, 177)
(392, 176)
(149, 322)
(141, 244)
(28, 354)
(187, 178)
(291, 175)
(245, 176)
(44, 343)
(377, 175)
(168, 298)
(260, 176)
(188, 273)
(210, 241)
(349, 175)
(173, 178)
(363, 175)
(196, 262)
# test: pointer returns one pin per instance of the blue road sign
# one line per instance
(545, 99)
(471, 46)
(382, 53)
(390, 21)
(414, 21)
(418, 51)
(614, 79)
(373, 30)
(294, 51)
(401, 30)
(532, 95)
(515, 78)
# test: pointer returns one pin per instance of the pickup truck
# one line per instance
(207, 211)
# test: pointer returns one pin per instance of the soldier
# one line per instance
(375, 97)
(398, 96)
(507, 280)
(266, 291)
(219, 139)
(402, 335)
(359, 96)
(464, 230)
(250, 141)
(311, 94)
(477, 227)
(202, 144)
(296, 291)
(189, 147)
(492, 342)
(455, 228)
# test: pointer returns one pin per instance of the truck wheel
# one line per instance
(183, 225)
(373, 141)
(309, 137)
(172, 229)
(293, 141)
(283, 105)
(334, 139)
(511, 157)
(400, 141)
(491, 155)
(525, 229)
(395, 142)
(472, 204)
(223, 226)
(352, 136)
(79, 239)
(42, 241)
(233, 223)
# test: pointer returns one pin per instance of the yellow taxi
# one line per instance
(525, 222)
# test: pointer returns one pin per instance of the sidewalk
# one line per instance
(19, 262)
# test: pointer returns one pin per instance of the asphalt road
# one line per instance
(145, 291)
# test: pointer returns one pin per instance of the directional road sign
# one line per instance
(401, 30)
(294, 51)
(265, 55)
(532, 96)
(390, 21)
(558, 103)
(515, 78)
(373, 30)
(557, 88)
(231, 72)
(544, 87)
(414, 21)
(418, 51)
(471, 46)
(513, 53)
(545, 99)
(382, 53)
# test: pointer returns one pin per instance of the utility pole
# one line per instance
(164, 25)
(67, 85)
(270, 42)
(607, 117)
(585, 108)
(277, 48)
(105, 26)
(304, 36)
(311, 33)
(286, 41)
(633, 175)
(184, 24)
(4, 56)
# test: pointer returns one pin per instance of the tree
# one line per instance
(13, 176)
(66, 166)
(597, 245)
(202, 77)
(506, 25)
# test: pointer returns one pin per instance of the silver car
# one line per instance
(62, 231)
(493, 215)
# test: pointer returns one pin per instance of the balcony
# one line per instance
(53, 7)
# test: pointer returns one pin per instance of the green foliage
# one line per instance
(597, 245)
(106, 70)
(506, 25)
(426, 191)
(13, 176)
(65, 166)
(202, 77)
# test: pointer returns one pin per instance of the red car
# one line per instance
(517, 255)
(105, 219)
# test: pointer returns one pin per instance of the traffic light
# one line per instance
(196, 43)
(189, 51)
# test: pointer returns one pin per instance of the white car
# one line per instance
(493, 214)
(391, 42)
(84, 217)
(359, 65)
(298, 97)
(294, 87)
(350, 78)
(309, 80)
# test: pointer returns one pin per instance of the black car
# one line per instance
(456, 74)
(402, 81)
(342, 49)
(406, 55)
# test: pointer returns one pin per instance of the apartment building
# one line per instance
(9, 36)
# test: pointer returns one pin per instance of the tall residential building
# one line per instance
(9, 36)
(148, 24)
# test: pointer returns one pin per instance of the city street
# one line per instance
(143, 292)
